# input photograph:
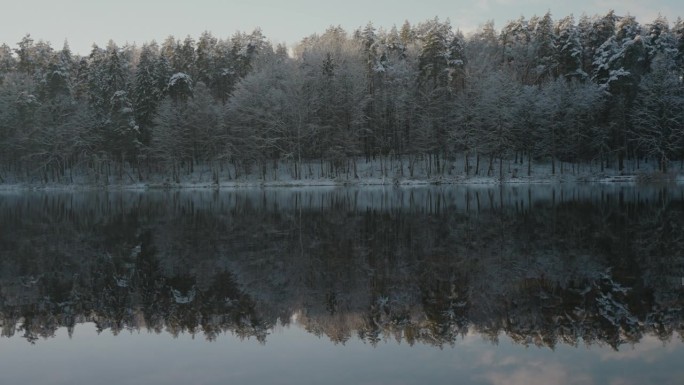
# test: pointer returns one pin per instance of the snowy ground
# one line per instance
(372, 173)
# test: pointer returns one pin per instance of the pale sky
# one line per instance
(84, 22)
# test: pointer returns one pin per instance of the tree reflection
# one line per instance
(565, 266)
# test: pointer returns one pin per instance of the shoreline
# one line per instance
(336, 183)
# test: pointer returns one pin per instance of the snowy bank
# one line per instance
(378, 172)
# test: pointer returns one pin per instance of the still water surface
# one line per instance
(520, 285)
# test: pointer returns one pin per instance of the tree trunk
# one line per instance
(467, 165)
(490, 169)
(621, 160)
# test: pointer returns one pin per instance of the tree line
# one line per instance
(603, 90)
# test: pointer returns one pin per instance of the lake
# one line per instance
(569, 284)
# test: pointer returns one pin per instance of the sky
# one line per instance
(292, 355)
(84, 22)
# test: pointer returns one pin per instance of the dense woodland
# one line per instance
(603, 90)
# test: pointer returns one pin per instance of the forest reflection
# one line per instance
(544, 265)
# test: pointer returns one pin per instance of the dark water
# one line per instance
(526, 285)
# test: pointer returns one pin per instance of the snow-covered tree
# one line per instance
(180, 87)
(121, 130)
(205, 60)
(267, 117)
(147, 93)
(543, 39)
(483, 50)
(570, 51)
(336, 86)
(420, 92)
(441, 66)
(658, 115)
(184, 57)
(497, 106)
(517, 50)
(56, 80)
(566, 110)
(678, 35)
(7, 61)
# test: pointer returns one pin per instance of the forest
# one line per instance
(604, 91)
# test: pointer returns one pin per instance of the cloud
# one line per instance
(645, 12)
(538, 373)
(649, 349)
(482, 5)
(622, 381)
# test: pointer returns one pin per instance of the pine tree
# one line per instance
(205, 58)
(147, 93)
(7, 62)
(180, 87)
(407, 35)
(435, 54)
(569, 50)
(26, 63)
(518, 55)
(57, 79)
(223, 75)
(544, 42)
(593, 34)
(678, 35)
(184, 57)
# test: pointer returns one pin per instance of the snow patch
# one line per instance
(181, 298)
